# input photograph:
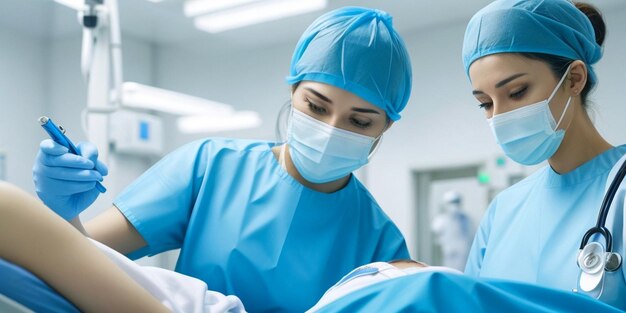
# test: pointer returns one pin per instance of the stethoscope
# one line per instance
(594, 260)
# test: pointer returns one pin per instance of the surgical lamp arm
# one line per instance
(101, 64)
(90, 16)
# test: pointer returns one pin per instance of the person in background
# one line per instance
(453, 231)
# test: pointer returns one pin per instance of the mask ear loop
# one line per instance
(563, 114)
(281, 156)
(377, 141)
(569, 100)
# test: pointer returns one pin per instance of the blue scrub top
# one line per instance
(249, 229)
(532, 230)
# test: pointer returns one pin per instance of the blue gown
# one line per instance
(445, 292)
(532, 230)
(247, 228)
(23, 287)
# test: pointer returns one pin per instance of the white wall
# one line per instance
(609, 100)
(22, 101)
(441, 126)
(249, 80)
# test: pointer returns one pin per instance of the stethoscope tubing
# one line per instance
(600, 228)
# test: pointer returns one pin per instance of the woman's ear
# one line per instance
(577, 77)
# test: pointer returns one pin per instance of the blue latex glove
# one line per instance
(65, 182)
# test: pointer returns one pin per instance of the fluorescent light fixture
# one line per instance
(212, 123)
(198, 7)
(140, 96)
(74, 4)
(255, 13)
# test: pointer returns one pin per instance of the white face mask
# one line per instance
(529, 135)
(322, 153)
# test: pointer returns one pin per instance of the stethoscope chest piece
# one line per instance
(591, 260)
(594, 261)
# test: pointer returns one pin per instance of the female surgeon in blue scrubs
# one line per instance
(275, 225)
(530, 63)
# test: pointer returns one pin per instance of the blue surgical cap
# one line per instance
(554, 27)
(358, 50)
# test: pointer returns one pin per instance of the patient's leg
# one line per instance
(35, 238)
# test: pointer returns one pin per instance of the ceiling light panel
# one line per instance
(193, 8)
(255, 13)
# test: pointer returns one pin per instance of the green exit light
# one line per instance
(483, 178)
(500, 162)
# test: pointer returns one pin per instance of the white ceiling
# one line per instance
(164, 23)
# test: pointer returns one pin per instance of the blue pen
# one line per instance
(57, 134)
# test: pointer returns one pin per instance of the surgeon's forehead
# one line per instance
(498, 62)
(493, 68)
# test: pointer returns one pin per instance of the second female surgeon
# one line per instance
(530, 63)
(275, 225)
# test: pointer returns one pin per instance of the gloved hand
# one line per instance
(65, 182)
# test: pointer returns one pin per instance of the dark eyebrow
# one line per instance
(502, 82)
(363, 110)
(319, 95)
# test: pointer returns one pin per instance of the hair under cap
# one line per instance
(554, 27)
(356, 49)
